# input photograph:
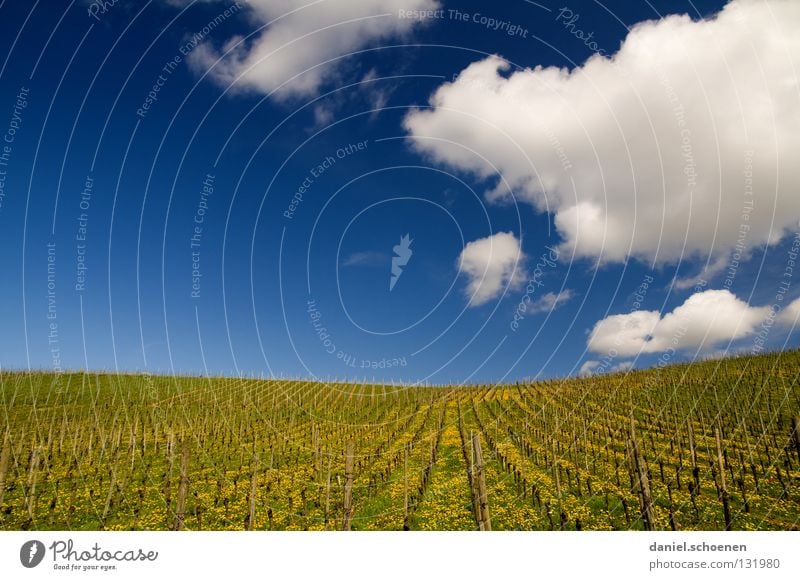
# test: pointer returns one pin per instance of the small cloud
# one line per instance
(492, 264)
(703, 321)
(551, 301)
(790, 315)
(622, 367)
(588, 368)
(323, 115)
(707, 273)
(592, 368)
(366, 259)
(376, 94)
(449, 196)
(729, 352)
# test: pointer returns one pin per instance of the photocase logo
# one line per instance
(402, 256)
(31, 553)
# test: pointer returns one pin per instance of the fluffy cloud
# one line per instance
(683, 142)
(627, 334)
(299, 35)
(588, 368)
(491, 265)
(790, 315)
(703, 321)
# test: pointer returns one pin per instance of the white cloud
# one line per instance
(710, 270)
(645, 153)
(622, 367)
(728, 352)
(299, 35)
(703, 321)
(551, 301)
(791, 314)
(626, 334)
(588, 368)
(594, 367)
(367, 258)
(492, 264)
(376, 95)
(323, 115)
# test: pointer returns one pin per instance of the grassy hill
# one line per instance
(703, 446)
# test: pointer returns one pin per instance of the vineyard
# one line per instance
(708, 446)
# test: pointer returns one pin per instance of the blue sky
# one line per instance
(235, 185)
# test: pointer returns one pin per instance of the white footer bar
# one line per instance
(401, 555)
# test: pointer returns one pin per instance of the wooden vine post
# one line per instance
(473, 486)
(328, 493)
(183, 487)
(30, 496)
(405, 489)
(484, 521)
(723, 490)
(693, 453)
(796, 435)
(251, 503)
(640, 471)
(348, 486)
(5, 455)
